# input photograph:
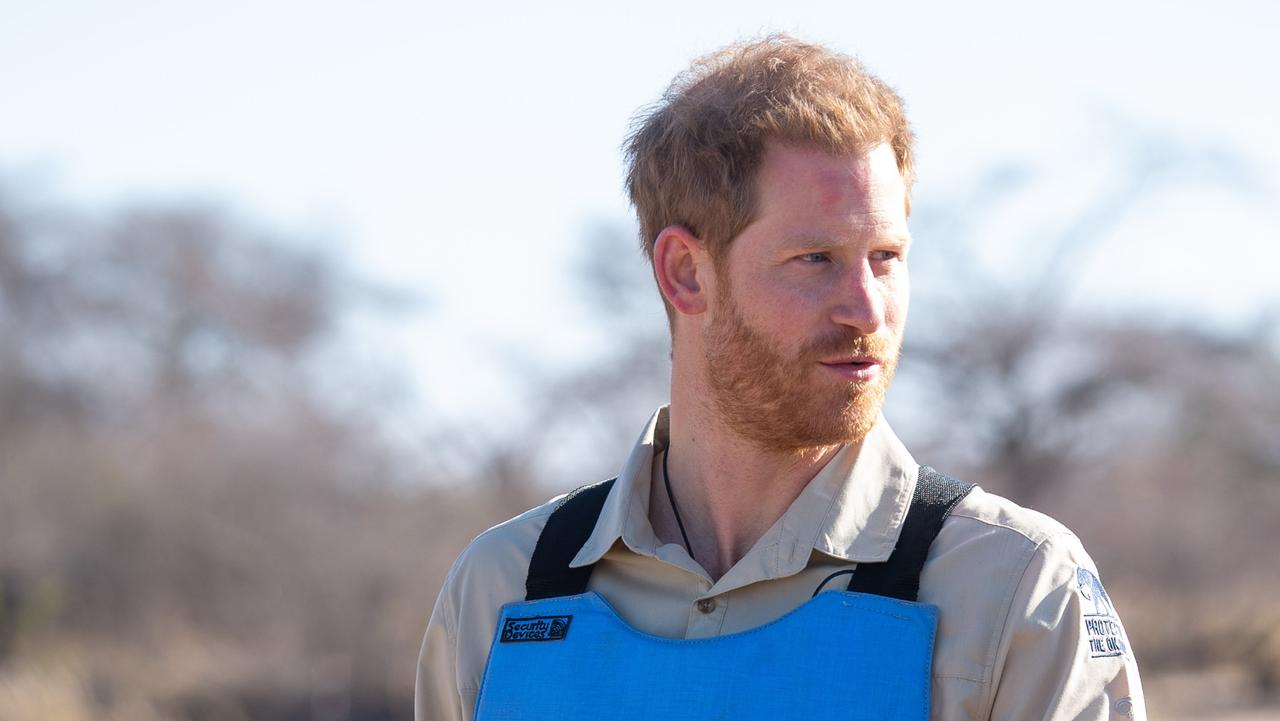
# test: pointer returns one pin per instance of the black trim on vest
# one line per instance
(899, 575)
(568, 528)
(571, 523)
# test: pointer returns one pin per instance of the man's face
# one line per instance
(807, 318)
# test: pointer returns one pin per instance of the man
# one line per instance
(770, 549)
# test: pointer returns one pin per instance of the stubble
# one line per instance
(789, 402)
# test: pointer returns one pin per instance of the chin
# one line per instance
(850, 426)
(818, 427)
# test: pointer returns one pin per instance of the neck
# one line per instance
(729, 491)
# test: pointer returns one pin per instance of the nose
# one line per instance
(860, 301)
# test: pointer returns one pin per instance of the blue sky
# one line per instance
(463, 150)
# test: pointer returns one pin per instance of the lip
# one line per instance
(860, 368)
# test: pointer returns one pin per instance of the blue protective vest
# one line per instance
(865, 653)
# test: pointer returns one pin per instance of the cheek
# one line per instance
(787, 292)
(897, 297)
(811, 296)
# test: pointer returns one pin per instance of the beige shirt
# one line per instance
(1021, 636)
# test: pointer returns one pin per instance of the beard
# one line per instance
(787, 403)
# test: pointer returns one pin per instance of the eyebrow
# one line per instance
(818, 242)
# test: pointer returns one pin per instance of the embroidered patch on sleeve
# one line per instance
(1103, 631)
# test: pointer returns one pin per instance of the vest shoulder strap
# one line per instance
(574, 518)
(568, 528)
(899, 575)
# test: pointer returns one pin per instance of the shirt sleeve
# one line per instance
(436, 695)
(1063, 654)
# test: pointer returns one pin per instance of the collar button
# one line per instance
(706, 605)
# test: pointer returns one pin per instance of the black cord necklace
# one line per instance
(666, 479)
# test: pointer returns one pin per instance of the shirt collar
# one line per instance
(851, 510)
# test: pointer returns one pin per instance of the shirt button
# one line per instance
(706, 605)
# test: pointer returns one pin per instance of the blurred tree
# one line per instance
(587, 413)
(185, 507)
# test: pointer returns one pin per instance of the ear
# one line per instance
(681, 264)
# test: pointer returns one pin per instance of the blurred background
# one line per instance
(297, 298)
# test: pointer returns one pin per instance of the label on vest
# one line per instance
(535, 628)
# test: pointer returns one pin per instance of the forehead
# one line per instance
(804, 182)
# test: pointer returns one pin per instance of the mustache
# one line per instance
(850, 343)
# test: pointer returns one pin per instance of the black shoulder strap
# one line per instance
(568, 527)
(571, 523)
(899, 575)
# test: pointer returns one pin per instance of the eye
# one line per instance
(885, 255)
(814, 258)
